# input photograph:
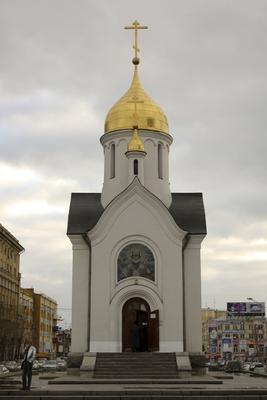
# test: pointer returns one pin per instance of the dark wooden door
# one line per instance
(127, 323)
(135, 309)
(153, 331)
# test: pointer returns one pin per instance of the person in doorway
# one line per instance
(136, 337)
(27, 362)
(143, 336)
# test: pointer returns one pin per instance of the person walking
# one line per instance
(26, 366)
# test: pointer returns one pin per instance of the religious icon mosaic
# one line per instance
(136, 260)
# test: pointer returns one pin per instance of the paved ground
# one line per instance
(213, 386)
(238, 382)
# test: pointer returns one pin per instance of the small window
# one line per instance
(112, 161)
(135, 167)
(160, 173)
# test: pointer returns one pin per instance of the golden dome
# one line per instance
(136, 108)
(135, 143)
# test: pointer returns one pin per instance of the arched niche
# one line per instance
(136, 259)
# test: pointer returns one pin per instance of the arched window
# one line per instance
(160, 168)
(135, 167)
(112, 161)
(136, 260)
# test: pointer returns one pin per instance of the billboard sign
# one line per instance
(236, 308)
(256, 308)
(251, 308)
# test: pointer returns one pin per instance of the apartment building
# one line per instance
(241, 338)
(45, 318)
(26, 300)
(10, 323)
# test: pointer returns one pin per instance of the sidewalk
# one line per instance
(240, 386)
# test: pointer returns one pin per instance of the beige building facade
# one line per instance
(10, 323)
(210, 313)
(23, 313)
(26, 301)
(38, 313)
(45, 317)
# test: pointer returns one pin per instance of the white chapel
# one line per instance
(136, 246)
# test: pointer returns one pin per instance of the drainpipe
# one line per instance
(185, 243)
(87, 241)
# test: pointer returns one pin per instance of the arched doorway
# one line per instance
(137, 309)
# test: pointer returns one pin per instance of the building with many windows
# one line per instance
(241, 338)
(23, 313)
(11, 327)
(38, 314)
(26, 300)
(45, 317)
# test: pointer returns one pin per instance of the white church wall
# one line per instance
(160, 187)
(136, 218)
(80, 292)
(121, 161)
(113, 186)
(192, 285)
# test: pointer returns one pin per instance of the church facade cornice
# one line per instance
(135, 192)
(122, 134)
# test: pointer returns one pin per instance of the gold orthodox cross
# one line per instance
(136, 26)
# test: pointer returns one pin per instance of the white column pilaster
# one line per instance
(192, 294)
(80, 294)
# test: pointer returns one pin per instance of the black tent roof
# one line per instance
(187, 209)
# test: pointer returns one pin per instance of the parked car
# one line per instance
(259, 368)
(61, 365)
(12, 366)
(221, 364)
(50, 365)
(252, 366)
(246, 366)
(233, 366)
(35, 365)
(3, 370)
(41, 362)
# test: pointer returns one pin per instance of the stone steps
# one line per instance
(135, 365)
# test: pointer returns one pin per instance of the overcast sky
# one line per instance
(64, 63)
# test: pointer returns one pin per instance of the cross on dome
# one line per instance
(136, 107)
(136, 26)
